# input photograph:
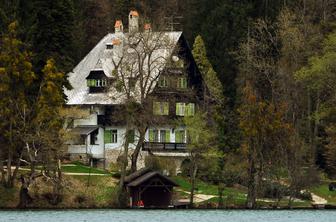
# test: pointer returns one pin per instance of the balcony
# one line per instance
(164, 147)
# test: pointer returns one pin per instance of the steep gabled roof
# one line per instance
(100, 58)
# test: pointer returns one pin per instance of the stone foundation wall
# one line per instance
(112, 156)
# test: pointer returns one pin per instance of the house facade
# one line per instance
(175, 90)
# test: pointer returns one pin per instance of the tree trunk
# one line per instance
(2, 171)
(136, 152)
(220, 195)
(316, 125)
(193, 183)
(25, 198)
(9, 170)
(124, 160)
(251, 194)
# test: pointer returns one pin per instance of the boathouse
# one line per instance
(150, 189)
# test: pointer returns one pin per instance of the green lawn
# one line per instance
(323, 191)
(76, 167)
(232, 197)
(80, 168)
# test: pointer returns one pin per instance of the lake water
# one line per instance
(169, 216)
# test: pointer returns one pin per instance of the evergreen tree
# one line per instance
(51, 35)
(210, 76)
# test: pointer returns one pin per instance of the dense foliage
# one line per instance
(275, 60)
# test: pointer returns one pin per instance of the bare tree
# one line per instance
(138, 59)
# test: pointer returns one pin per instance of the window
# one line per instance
(161, 108)
(190, 109)
(96, 82)
(180, 136)
(183, 109)
(182, 83)
(114, 136)
(131, 136)
(111, 136)
(180, 109)
(164, 136)
(153, 135)
(104, 82)
(93, 138)
(163, 82)
(109, 46)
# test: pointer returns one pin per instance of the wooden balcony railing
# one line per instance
(164, 147)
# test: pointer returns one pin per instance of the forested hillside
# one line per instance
(276, 60)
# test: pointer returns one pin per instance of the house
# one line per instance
(150, 189)
(169, 77)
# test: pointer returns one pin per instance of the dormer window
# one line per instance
(97, 81)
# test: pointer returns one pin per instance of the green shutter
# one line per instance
(177, 136)
(167, 136)
(190, 109)
(151, 135)
(107, 136)
(165, 108)
(177, 109)
(156, 107)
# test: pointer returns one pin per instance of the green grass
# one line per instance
(322, 190)
(80, 168)
(232, 196)
(76, 167)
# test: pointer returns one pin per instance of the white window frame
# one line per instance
(114, 136)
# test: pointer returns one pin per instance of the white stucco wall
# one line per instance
(121, 131)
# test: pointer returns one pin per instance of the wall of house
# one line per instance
(121, 131)
(92, 119)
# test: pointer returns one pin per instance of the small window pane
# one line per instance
(114, 136)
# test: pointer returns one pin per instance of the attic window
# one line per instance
(109, 46)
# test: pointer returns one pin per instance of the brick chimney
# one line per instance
(118, 27)
(133, 21)
(147, 27)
